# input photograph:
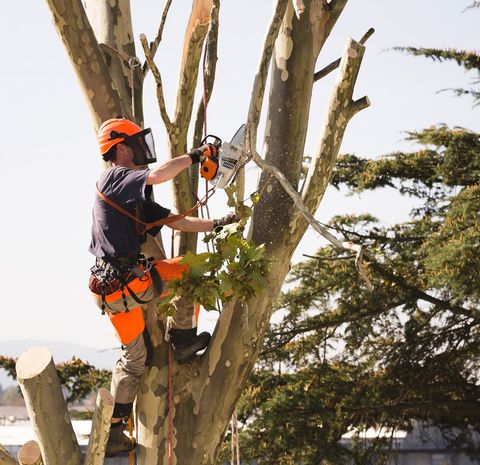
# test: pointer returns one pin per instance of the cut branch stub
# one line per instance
(46, 406)
(6, 458)
(29, 454)
(100, 428)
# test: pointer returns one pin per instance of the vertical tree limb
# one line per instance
(211, 66)
(102, 415)
(158, 79)
(158, 38)
(87, 59)
(111, 22)
(46, 407)
(260, 81)
(340, 110)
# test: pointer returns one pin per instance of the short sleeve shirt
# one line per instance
(113, 233)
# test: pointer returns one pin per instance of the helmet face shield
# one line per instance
(142, 146)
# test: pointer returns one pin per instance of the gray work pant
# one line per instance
(131, 365)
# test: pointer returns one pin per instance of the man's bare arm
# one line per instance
(168, 170)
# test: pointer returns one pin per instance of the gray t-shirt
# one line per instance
(113, 233)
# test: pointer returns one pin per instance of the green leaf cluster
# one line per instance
(341, 358)
(235, 269)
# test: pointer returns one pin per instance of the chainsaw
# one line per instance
(222, 158)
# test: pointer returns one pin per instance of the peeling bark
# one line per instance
(205, 391)
(296, 50)
(29, 454)
(195, 34)
(46, 407)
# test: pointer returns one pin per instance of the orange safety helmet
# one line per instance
(116, 130)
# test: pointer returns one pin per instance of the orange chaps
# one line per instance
(129, 325)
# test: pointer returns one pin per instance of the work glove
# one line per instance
(219, 223)
(199, 154)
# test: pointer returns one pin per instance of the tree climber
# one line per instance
(122, 280)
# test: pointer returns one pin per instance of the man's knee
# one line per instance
(134, 356)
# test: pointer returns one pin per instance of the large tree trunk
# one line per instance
(188, 419)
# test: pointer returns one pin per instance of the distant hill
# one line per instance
(61, 351)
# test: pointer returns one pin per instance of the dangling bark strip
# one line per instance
(46, 407)
(102, 415)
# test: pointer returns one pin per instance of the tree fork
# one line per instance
(46, 407)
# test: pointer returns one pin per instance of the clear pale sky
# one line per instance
(50, 161)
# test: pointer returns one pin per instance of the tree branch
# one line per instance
(158, 80)
(87, 59)
(418, 293)
(258, 91)
(154, 45)
(336, 8)
(339, 112)
(324, 232)
(335, 64)
(210, 65)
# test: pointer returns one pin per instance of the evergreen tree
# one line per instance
(346, 357)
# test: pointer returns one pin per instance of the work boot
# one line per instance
(186, 343)
(118, 442)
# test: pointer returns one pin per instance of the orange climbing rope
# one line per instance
(132, 441)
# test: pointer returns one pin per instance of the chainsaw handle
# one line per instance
(209, 166)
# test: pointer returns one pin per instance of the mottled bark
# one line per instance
(341, 109)
(296, 50)
(87, 59)
(205, 392)
(111, 22)
(102, 415)
(29, 454)
(195, 34)
(46, 407)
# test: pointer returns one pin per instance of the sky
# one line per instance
(50, 160)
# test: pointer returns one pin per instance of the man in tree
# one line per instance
(122, 279)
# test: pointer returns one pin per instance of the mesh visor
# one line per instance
(142, 146)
